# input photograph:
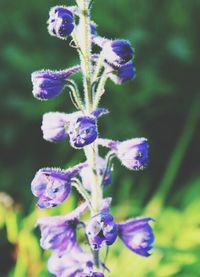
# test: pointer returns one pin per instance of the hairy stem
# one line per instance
(100, 89)
(85, 44)
(91, 151)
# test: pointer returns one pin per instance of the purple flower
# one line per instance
(83, 128)
(101, 230)
(137, 235)
(60, 22)
(132, 153)
(87, 174)
(55, 126)
(83, 132)
(121, 74)
(59, 232)
(48, 83)
(75, 263)
(52, 186)
(117, 51)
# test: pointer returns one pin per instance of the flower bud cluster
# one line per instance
(52, 186)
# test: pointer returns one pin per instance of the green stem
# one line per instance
(91, 152)
(76, 95)
(76, 183)
(85, 44)
(98, 67)
(109, 158)
(96, 257)
(100, 89)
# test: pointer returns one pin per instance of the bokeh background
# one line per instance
(162, 104)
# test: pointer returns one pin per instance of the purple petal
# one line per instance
(52, 185)
(60, 22)
(48, 84)
(83, 131)
(99, 112)
(101, 230)
(133, 153)
(137, 235)
(54, 126)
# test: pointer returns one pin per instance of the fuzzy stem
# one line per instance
(76, 183)
(98, 67)
(76, 94)
(91, 151)
(100, 89)
(96, 258)
(85, 44)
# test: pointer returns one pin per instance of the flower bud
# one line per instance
(48, 83)
(137, 235)
(117, 51)
(60, 22)
(132, 153)
(122, 73)
(55, 126)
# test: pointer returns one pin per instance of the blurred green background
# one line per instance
(162, 104)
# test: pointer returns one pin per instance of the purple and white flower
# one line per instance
(117, 51)
(137, 235)
(55, 126)
(60, 22)
(48, 84)
(52, 185)
(132, 153)
(121, 74)
(81, 129)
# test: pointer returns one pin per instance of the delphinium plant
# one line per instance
(52, 186)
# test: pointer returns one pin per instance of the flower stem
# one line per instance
(91, 151)
(85, 44)
(100, 89)
(98, 67)
(76, 183)
(96, 257)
